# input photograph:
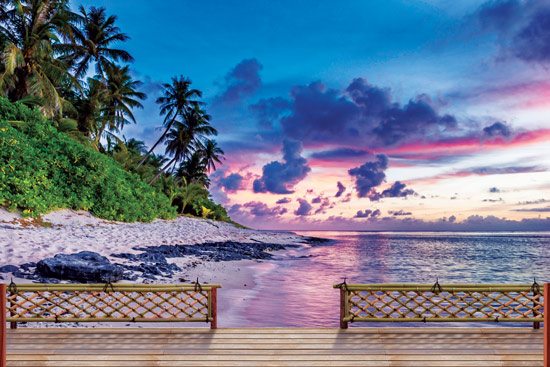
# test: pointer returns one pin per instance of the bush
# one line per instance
(43, 169)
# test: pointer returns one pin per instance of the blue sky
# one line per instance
(453, 94)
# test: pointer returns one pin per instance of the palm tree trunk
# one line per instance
(144, 159)
(162, 170)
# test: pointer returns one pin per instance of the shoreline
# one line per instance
(69, 232)
(161, 251)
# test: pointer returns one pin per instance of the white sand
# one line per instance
(68, 232)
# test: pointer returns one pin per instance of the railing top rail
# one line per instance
(114, 287)
(438, 287)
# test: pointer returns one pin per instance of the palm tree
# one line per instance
(189, 192)
(177, 98)
(31, 33)
(185, 138)
(92, 42)
(88, 104)
(179, 143)
(194, 170)
(121, 96)
(197, 122)
(211, 155)
(136, 146)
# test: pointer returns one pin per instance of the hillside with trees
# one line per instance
(67, 92)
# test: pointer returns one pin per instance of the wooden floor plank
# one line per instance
(422, 347)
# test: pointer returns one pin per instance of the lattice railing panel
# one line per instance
(115, 303)
(424, 303)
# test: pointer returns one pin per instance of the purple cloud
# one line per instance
(283, 201)
(231, 182)
(499, 14)
(320, 114)
(497, 129)
(241, 81)
(397, 190)
(340, 153)
(316, 200)
(304, 208)
(367, 213)
(341, 189)
(532, 43)
(399, 213)
(360, 114)
(504, 170)
(535, 210)
(259, 209)
(280, 177)
(369, 175)
(269, 110)
(416, 119)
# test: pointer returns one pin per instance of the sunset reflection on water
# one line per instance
(296, 290)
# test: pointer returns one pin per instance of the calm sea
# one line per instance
(296, 289)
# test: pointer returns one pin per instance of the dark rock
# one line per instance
(152, 264)
(85, 266)
(8, 269)
(218, 251)
(316, 240)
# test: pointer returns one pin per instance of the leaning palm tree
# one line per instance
(177, 98)
(121, 97)
(179, 143)
(31, 32)
(93, 42)
(211, 154)
(197, 122)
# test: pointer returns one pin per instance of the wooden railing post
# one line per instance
(547, 325)
(536, 301)
(214, 308)
(3, 327)
(343, 307)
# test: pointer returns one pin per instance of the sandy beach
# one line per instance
(67, 231)
(26, 240)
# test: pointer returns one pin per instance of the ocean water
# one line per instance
(296, 289)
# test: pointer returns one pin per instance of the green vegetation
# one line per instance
(60, 132)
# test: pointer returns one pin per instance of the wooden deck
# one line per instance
(363, 346)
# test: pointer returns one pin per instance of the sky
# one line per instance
(361, 115)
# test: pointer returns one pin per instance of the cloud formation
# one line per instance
(241, 81)
(532, 43)
(399, 213)
(280, 177)
(523, 26)
(304, 208)
(535, 210)
(361, 114)
(283, 201)
(368, 213)
(397, 190)
(257, 209)
(341, 189)
(369, 175)
(340, 153)
(497, 129)
(231, 182)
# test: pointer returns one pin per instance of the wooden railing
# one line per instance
(110, 303)
(441, 303)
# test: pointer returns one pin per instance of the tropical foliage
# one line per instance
(70, 152)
